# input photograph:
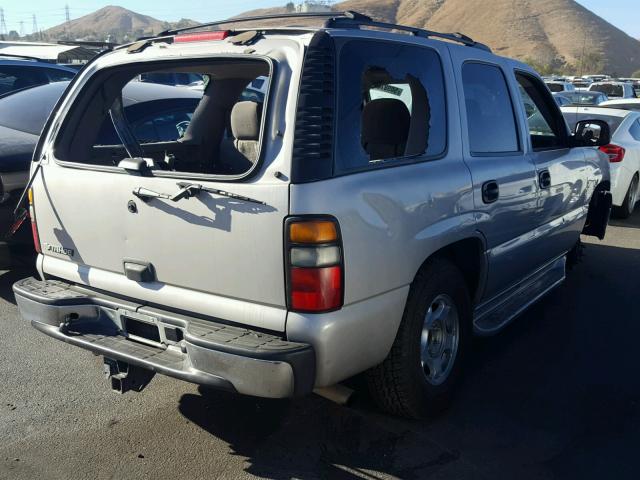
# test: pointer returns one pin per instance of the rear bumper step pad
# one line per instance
(209, 353)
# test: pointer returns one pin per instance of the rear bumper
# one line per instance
(191, 349)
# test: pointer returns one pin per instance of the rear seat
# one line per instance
(239, 153)
(385, 128)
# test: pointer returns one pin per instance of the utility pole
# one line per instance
(22, 28)
(67, 20)
(3, 25)
(34, 27)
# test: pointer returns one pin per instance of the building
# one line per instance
(314, 6)
(47, 52)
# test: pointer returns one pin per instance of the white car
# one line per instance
(623, 104)
(556, 86)
(614, 89)
(623, 152)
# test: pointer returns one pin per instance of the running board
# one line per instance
(494, 315)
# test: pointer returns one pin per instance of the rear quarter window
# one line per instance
(391, 105)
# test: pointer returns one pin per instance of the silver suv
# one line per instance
(390, 195)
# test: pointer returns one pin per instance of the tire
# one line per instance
(403, 384)
(630, 200)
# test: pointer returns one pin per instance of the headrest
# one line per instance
(385, 121)
(245, 120)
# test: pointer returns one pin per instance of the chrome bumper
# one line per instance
(191, 349)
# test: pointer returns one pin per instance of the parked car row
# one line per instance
(623, 152)
(612, 87)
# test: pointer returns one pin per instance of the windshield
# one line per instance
(28, 110)
(555, 87)
(584, 98)
(609, 89)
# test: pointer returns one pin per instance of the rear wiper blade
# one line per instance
(188, 190)
(196, 188)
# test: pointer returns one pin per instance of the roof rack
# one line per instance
(346, 19)
(362, 20)
(330, 15)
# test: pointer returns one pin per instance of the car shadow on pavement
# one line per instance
(312, 438)
(8, 278)
(632, 222)
(555, 395)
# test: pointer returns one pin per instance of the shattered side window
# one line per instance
(391, 104)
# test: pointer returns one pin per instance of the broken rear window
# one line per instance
(193, 118)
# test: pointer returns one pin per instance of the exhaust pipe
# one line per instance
(336, 393)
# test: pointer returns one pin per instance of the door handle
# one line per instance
(490, 191)
(545, 179)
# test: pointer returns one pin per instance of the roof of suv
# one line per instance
(341, 20)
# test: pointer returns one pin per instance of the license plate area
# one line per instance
(141, 328)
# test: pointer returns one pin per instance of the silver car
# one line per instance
(388, 198)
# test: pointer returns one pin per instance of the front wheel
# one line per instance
(419, 374)
(630, 200)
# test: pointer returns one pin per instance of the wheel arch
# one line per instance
(469, 256)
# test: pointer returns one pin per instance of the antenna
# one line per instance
(3, 24)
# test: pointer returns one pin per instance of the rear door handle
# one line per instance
(545, 179)
(490, 191)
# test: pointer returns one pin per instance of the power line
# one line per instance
(34, 27)
(66, 13)
(21, 28)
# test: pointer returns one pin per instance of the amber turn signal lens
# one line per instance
(313, 231)
(30, 196)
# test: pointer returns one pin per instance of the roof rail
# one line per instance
(330, 15)
(359, 20)
(347, 19)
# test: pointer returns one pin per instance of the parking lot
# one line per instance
(554, 396)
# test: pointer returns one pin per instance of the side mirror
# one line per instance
(591, 133)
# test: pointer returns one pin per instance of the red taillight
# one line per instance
(34, 226)
(201, 36)
(315, 265)
(614, 152)
(316, 289)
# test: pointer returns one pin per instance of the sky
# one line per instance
(624, 14)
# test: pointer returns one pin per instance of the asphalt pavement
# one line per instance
(556, 395)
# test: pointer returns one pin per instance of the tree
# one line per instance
(636, 74)
(290, 7)
(591, 63)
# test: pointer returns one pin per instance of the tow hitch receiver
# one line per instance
(125, 377)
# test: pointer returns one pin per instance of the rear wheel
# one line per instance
(630, 200)
(419, 374)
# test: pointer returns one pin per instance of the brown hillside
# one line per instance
(546, 31)
(118, 22)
